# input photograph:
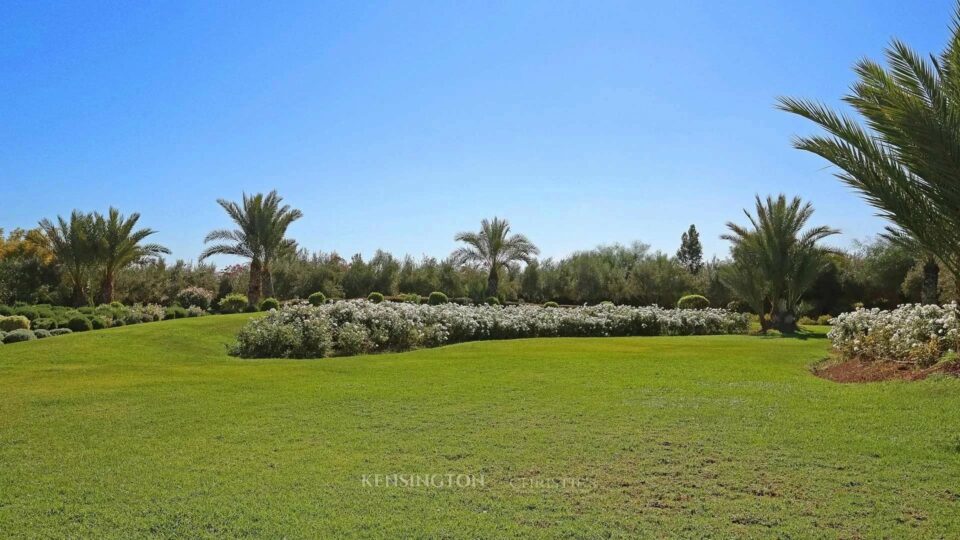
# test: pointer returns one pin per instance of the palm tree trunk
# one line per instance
(79, 298)
(493, 282)
(930, 293)
(106, 289)
(267, 279)
(256, 283)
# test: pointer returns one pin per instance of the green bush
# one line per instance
(551, 304)
(413, 298)
(14, 322)
(436, 298)
(44, 324)
(79, 324)
(41, 333)
(116, 305)
(19, 335)
(6, 311)
(493, 301)
(824, 319)
(269, 303)
(86, 310)
(29, 312)
(98, 323)
(60, 331)
(175, 312)
(195, 296)
(693, 301)
(375, 297)
(234, 303)
(806, 321)
(317, 299)
(117, 322)
(2, 335)
(463, 301)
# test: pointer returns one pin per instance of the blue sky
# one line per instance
(395, 125)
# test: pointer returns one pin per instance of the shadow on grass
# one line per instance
(803, 334)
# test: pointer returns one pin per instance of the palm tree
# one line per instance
(116, 245)
(906, 161)
(262, 224)
(69, 243)
(784, 259)
(493, 248)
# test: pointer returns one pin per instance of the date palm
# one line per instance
(116, 244)
(905, 160)
(784, 259)
(260, 237)
(68, 241)
(493, 248)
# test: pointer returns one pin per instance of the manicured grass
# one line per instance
(153, 430)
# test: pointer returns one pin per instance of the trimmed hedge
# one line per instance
(693, 301)
(375, 297)
(317, 299)
(18, 336)
(269, 303)
(14, 322)
(436, 298)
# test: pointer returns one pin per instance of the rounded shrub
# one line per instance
(375, 297)
(693, 301)
(43, 324)
(28, 311)
(60, 331)
(116, 305)
(195, 296)
(79, 323)
(2, 335)
(98, 323)
(551, 304)
(436, 298)
(41, 334)
(19, 335)
(14, 322)
(493, 301)
(824, 320)
(234, 303)
(86, 310)
(175, 312)
(6, 311)
(269, 303)
(317, 299)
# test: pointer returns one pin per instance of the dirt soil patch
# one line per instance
(860, 371)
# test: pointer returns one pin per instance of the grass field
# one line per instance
(152, 430)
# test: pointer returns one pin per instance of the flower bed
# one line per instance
(300, 330)
(915, 333)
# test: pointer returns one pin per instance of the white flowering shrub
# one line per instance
(360, 326)
(911, 333)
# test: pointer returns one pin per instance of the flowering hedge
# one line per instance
(300, 330)
(911, 333)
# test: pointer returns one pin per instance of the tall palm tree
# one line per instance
(493, 248)
(116, 244)
(260, 237)
(69, 243)
(906, 160)
(784, 258)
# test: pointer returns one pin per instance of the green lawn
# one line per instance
(152, 430)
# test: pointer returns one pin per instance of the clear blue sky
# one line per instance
(395, 125)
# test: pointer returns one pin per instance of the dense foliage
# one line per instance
(910, 333)
(299, 330)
